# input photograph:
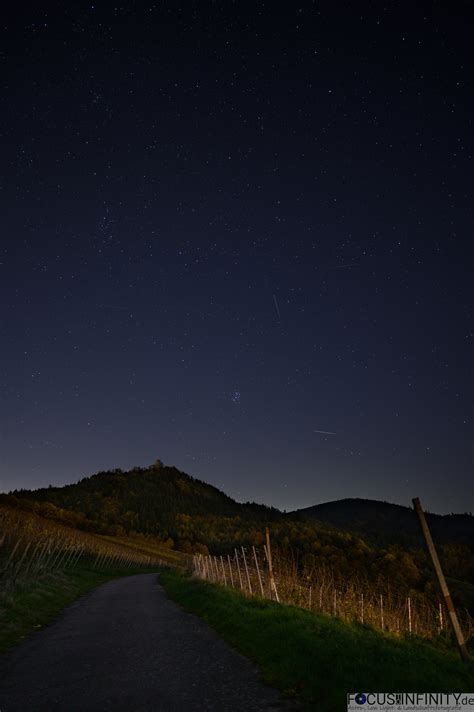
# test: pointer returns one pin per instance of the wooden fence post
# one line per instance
(258, 571)
(230, 571)
(49, 554)
(79, 554)
(247, 571)
(223, 571)
(273, 588)
(18, 566)
(442, 581)
(72, 553)
(30, 562)
(12, 553)
(56, 558)
(238, 569)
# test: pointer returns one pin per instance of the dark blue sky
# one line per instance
(226, 227)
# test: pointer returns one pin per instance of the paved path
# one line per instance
(126, 647)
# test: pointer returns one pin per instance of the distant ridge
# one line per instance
(144, 499)
(355, 538)
(158, 499)
(385, 523)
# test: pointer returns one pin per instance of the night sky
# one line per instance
(236, 237)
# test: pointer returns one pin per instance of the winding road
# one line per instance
(126, 647)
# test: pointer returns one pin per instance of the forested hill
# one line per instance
(163, 503)
(147, 500)
(166, 502)
(383, 523)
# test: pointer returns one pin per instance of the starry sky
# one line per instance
(236, 237)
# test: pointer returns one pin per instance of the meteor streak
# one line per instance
(277, 307)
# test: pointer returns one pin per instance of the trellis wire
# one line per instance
(31, 546)
(386, 610)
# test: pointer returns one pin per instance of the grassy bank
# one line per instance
(317, 658)
(30, 607)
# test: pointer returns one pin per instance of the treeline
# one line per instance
(166, 505)
(75, 520)
(145, 500)
(315, 547)
(384, 523)
(309, 545)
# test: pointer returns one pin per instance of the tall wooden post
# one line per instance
(247, 571)
(273, 588)
(223, 571)
(58, 554)
(258, 571)
(80, 549)
(230, 571)
(18, 566)
(442, 581)
(12, 553)
(238, 569)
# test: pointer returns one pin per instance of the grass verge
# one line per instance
(318, 659)
(30, 607)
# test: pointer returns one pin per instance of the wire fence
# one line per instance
(31, 547)
(253, 573)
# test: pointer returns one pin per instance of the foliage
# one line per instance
(33, 547)
(316, 587)
(146, 500)
(169, 507)
(384, 523)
